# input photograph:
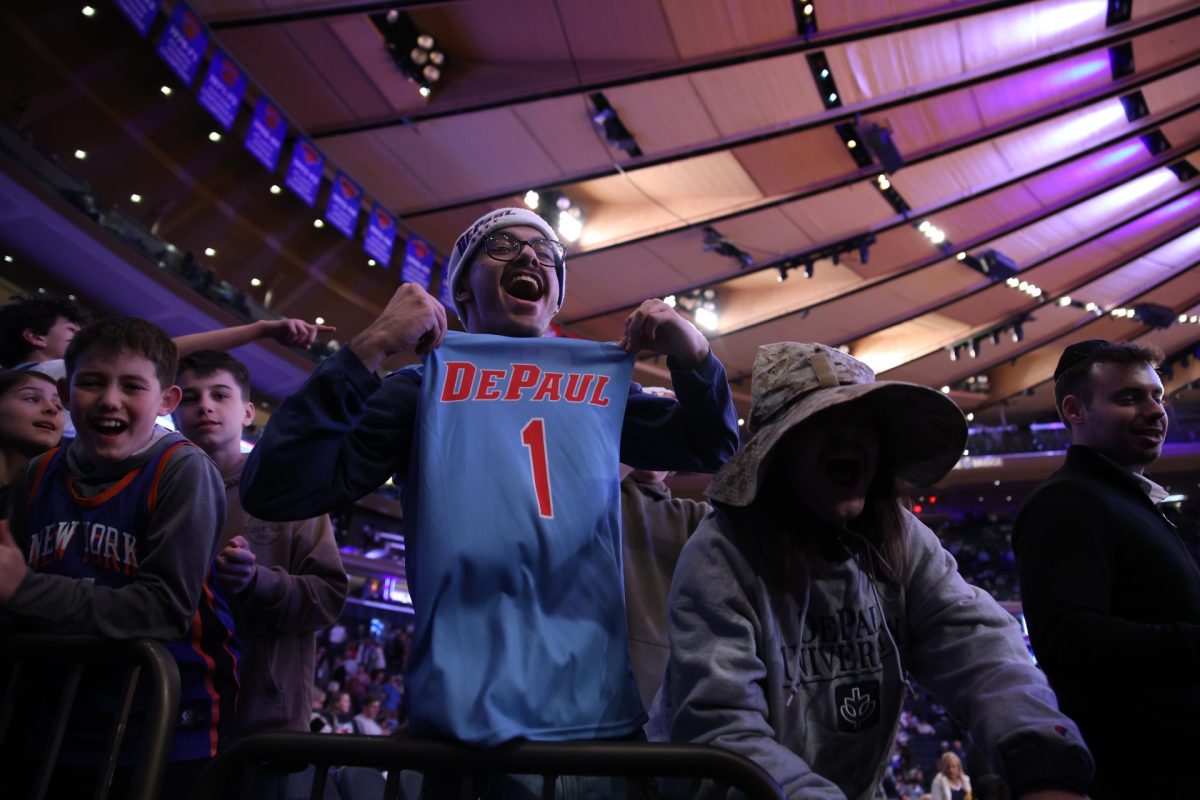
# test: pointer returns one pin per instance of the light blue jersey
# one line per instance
(514, 555)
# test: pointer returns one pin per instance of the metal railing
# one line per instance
(548, 759)
(21, 652)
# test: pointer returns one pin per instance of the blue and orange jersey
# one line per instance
(102, 538)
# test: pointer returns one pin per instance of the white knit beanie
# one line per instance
(468, 245)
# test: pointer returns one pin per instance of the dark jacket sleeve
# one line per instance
(340, 436)
(1066, 556)
(695, 433)
(176, 554)
(310, 594)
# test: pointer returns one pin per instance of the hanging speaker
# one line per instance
(878, 140)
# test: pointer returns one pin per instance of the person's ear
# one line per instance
(248, 416)
(38, 340)
(1073, 409)
(170, 400)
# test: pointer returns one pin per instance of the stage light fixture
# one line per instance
(531, 199)
(413, 51)
(1135, 106)
(881, 145)
(606, 118)
(715, 242)
(255, 282)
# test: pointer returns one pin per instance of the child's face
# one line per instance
(114, 401)
(54, 343)
(31, 416)
(212, 412)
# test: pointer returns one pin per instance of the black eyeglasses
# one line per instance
(506, 247)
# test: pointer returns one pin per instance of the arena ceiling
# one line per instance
(1063, 135)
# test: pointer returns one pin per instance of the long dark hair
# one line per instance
(788, 536)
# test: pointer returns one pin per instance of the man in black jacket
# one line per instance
(1110, 592)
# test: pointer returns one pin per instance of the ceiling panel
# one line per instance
(785, 165)
(886, 65)
(838, 213)
(759, 94)
(662, 115)
(1028, 28)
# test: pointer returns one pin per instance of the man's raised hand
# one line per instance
(657, 327)
(412, 321)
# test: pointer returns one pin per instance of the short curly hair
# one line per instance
(37, 313)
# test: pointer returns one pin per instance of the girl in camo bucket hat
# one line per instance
(922, 429)
(798, 607)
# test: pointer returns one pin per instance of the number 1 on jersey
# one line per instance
(533, 436)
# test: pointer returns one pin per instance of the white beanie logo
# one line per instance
(481, 223)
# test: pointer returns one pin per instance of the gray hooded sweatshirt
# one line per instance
(809, 683)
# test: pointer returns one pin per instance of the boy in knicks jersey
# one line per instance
(114, 536)
(284, 580)
(507, 444)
